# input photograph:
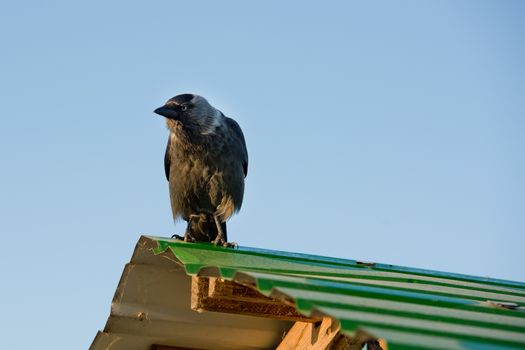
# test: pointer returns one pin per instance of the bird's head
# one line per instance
(191, 111)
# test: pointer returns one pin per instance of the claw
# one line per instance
(187, 237)
(233, 245)
(220, 242)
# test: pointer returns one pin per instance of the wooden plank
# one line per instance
(326, 335)
(218, 295)
(310, 336)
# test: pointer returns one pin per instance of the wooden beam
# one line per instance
(218, 295)
(310, 336)
(326, 335)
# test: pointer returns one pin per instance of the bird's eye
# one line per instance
(183, 107)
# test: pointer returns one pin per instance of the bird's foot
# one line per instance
(221, 242)
(187, 237)
(230, 245)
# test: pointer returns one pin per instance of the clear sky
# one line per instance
(377, 130)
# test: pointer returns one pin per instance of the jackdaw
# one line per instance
(206, 162)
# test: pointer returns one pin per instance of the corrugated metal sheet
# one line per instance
(410, 308)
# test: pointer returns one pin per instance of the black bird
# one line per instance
(206, 162)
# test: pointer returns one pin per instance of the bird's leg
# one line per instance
(220, 240)
(187, 235)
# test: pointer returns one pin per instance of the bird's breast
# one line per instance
(204, 176)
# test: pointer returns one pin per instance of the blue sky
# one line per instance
(382, 131)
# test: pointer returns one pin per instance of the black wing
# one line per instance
(167, 160)
(241, 143)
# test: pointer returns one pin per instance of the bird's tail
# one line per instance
(203, 228)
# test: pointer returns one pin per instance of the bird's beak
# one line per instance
(166, 112)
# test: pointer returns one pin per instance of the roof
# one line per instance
(408, 307)
(152, 306)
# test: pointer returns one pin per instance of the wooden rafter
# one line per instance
(218, 295)
(326, 335)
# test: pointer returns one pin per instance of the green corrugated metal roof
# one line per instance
(410, 308)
